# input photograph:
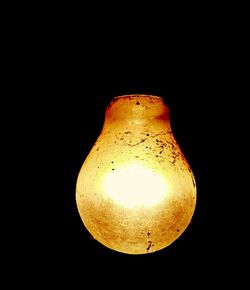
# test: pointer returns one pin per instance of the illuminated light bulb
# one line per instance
(135, 192)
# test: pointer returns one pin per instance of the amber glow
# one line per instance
(133, 185)
(135, 192)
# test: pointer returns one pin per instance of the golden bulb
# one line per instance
(135, 192)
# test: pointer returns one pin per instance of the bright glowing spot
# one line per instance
(135, 186)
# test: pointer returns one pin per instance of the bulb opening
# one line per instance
(138, 95)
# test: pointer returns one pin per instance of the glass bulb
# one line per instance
(135, 192)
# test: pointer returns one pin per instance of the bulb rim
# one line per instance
(138, 95)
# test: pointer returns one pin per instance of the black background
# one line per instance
(67, 77)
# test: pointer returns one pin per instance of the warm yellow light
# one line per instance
(135, 192)
(133, 185)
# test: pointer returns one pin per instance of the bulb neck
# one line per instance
(139, 110)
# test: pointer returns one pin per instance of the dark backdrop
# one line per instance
(70, 84)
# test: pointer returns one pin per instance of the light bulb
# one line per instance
(135, 192)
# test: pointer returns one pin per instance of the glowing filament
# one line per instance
(135, 185)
